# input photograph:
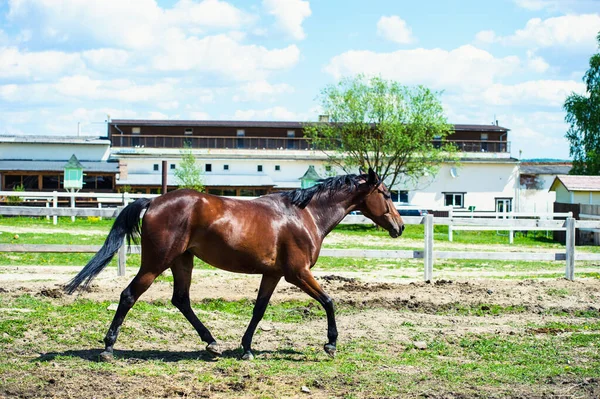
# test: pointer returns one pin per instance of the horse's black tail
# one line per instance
(126, 224)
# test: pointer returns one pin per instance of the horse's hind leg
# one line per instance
(182, 278)
(129, 296)
(304, 280)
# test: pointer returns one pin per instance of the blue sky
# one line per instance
(70, 63)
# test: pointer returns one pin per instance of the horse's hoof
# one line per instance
(330, 350)
(106, 356)
(248, 355)
(213, 349)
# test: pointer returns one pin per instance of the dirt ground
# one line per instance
(376, 295)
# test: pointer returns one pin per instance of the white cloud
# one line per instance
(536, 5)
(568, 31)
(84, 88)
(275, 113)
(549, 93)
(261, 91)
(395, 29)
(536, 63)
(37, 65)
(132, 24)
(289, 14)
(466, 66)
(208, 13)
(486, 36)
(199, 115)
(106, 58)
(224, 56)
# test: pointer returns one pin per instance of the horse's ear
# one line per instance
(373, 178)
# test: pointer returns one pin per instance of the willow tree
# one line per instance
(583, 116)
(397, 130)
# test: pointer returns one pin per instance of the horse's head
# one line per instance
(378, 206)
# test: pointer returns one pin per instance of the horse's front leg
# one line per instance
(267, 286)
(305, 280)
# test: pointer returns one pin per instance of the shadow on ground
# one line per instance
(169, 356)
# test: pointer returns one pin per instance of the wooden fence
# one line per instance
(427, 254)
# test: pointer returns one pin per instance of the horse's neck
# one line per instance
(327, 213)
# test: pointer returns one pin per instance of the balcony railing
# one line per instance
(270, 143)
(213, 142)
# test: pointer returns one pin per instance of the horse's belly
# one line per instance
(238, 260)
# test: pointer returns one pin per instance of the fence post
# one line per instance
(450, 214)
(122, 258)
(428, 251)
(72, 204)
(570, 250)
(100, 207)
(511, 233)
(55, 205)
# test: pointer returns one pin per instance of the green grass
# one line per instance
(46, 341)
(416, 232)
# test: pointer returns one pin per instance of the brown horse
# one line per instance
(277, 235)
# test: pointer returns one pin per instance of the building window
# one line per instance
(173, 166)
(136, 130)
(188, 131)
(208, 167)
(503, 205)
(399, 196)
(259, 168)
(240, 138)
(454, 199)
(155, 167)
(50, 182)
(291, 133)
(277, 168)
(225, 167)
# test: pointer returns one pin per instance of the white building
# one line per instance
(535, 181)
(254, 158)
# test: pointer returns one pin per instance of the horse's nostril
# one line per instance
(402, 228)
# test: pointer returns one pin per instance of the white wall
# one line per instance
(54, 151)
(482, 183)
(538, 198)
(289, 173)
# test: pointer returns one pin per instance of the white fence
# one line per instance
(428, 254)
(51, 200)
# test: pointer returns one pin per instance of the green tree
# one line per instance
(583, 116)
(189, 173)
(398, 131)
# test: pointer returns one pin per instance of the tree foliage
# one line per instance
(398, 131)
(189, 173)
(583, 116)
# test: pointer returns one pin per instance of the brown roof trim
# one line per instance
(271, 124)
(212, 123)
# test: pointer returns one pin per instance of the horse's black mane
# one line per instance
(302, 196)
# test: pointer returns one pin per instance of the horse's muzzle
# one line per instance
(397, 231)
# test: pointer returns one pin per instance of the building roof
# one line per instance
(545, 169)
(57, 166)
(311, 174)
(55, 140)
(577, 183)
(268, 124)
